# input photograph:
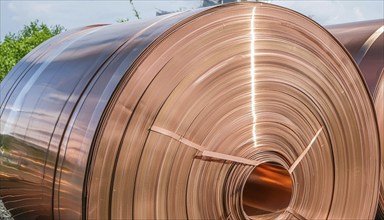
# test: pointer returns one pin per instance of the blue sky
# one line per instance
(71, 14)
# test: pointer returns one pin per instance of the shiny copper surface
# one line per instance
(379, 106)
(169, 117)
(268, 189)
(365, 42)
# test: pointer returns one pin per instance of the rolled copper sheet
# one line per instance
(365, 42)
(190, 115)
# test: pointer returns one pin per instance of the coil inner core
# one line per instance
(267, 190)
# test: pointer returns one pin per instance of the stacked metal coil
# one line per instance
(365, 42)
(239, 111)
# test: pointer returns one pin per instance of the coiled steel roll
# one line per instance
(239, 111)
(365, 42)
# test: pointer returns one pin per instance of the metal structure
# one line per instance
(190, 115)
(365, 42)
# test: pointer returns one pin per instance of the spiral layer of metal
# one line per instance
(365, 42)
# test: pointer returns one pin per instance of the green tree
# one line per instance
(16, 46)
(136, 13)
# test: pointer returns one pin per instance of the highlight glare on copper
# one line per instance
(253, 76)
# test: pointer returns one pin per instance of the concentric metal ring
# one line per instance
(200, 88)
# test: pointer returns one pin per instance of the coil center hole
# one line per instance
(267, 190)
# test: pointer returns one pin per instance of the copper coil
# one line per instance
(365, 42)
(239, 111)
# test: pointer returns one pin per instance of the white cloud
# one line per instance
(358, 13)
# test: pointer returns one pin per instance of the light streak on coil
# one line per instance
(253, 76)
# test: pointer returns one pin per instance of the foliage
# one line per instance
(135, 12)
(16, 46)
(122, 20)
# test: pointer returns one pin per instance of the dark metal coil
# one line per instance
(365, 42)
(186, 116)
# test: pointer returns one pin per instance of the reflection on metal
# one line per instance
(365, 42)
(268, 190)
(253, 77)
(305, 151)
(155, 119)
(367, 45)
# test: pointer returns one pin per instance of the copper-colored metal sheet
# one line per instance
(190, 115)
(379, 106)
(365, 42)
